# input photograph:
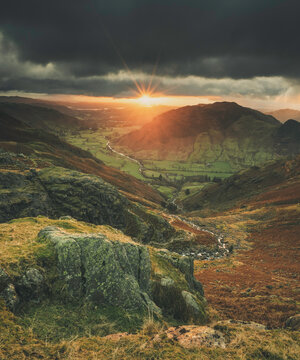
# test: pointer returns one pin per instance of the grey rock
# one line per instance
(191, 304)
(61, 193)
(31, 286)
(167, 282)
(10, 296)
(186, 265)
(66, 217)
(4, 280)
(93, 268)
(68, 261)
(180, 304)
(293, 322)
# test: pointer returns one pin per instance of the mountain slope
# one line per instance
(40, 117)
(206, 133)
(287, 138)
(41, 149)
(280, 179)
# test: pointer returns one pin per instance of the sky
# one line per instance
(185, 51)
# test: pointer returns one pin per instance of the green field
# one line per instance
(171, 178)
(96, 143)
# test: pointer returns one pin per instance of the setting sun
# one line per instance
(146, 100)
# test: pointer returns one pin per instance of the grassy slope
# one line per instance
(223, 132)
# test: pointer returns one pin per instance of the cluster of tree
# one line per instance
(179, 182)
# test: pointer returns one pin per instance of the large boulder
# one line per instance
(99, 271)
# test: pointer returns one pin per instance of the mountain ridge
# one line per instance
(222, 131)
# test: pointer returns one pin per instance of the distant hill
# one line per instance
(222, 131)
(285, 114)
(41, 117)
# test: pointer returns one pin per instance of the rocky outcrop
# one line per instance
(30, 286)
(148, 227)
(175, 289)
(185, 264)
(85, 197)
(98, 271)
(56, 192)
(21, 196)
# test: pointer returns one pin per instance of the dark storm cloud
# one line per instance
(215, 38)
(73, 46)
(92, 87)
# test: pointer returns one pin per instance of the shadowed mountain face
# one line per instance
(216, 132)
(287, 138)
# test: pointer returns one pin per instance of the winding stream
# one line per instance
(212, 254)
(141, 166)
(221, 250)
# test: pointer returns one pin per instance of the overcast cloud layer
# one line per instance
(214, 47)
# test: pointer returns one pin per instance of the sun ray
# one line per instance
(149, 88)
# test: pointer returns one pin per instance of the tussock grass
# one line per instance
(151, 327)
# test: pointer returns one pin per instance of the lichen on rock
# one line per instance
(101, 271)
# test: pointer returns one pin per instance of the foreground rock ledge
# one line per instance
(96, 270)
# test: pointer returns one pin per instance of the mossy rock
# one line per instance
(95, 270)
(174, 288)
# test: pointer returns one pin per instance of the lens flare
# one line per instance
(146, 100)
